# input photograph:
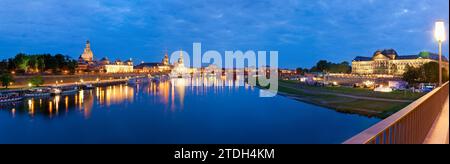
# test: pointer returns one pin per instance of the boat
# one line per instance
(69, 90)
(88, 87)
(55, 91)
(179, 75)
(37, 92)
(134, 81)
(11, 97)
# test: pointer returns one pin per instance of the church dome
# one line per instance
(377, 52)
(390, 53)
(104, 59)
(87, 53)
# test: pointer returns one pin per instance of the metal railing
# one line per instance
(408, 126)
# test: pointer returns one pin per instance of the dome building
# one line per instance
(104, 61)
(87, 55)
(87, 63)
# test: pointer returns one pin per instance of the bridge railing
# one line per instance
(408, 126)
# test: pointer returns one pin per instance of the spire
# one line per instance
(88, 44)
(180, 60)
(165, 60)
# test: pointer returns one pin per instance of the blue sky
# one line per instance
(303, 31)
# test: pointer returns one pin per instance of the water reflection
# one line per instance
(170, 93)
(213, 110)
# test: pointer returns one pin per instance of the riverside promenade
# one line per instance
(21, 81)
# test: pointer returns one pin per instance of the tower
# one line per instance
(165, 59)
(180, 60)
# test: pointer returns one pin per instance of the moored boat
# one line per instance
(55, 91)
(88, 87)
(37, 92)
(11, 97)
(69, 90)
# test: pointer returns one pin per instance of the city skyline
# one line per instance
(303, 32)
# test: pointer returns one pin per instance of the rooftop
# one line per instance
(422, 55)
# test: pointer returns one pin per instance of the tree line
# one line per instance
(35, 64)
(427, 73)
(38, 63)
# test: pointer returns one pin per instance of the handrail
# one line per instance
(409, 125)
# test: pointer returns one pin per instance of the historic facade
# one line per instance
(87, 63)
(388, 62)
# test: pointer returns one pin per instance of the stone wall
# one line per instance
(51, 79)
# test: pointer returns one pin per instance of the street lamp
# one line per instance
(439, 35)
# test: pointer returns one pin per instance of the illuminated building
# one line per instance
(179, 70)
(388, 62)
(87, 53)
(87, 63)
(117, 68)
(163, 67)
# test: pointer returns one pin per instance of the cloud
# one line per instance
(148, 27)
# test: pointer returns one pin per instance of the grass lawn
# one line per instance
(381, 109)
(399, 95)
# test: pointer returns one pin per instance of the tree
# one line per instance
(21, 62)
(4, 66)
(36, 81)
(325, 66)
(41, 63)
(412, 75)
(427, 73)
(301, 71)
(322, 65)
(72, 65)
(6, 79)
(33, 63)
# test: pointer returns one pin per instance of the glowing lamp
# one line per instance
(439, 35)
(439, 31)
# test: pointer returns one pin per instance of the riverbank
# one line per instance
(349, 100)
(22, 81)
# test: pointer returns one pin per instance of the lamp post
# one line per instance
(439, 34)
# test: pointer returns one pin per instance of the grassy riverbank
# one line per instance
(349, 100)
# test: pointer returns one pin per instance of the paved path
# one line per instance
(350, 96)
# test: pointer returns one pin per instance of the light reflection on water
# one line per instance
(170, 92)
